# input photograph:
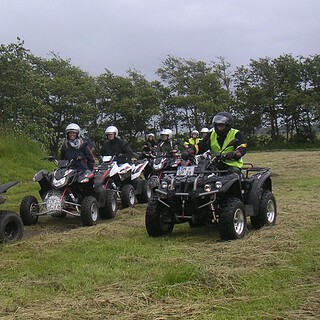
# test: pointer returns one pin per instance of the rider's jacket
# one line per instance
(119, 148)
(167, 145)
(216, 148)
(192, 141)
(84, 152)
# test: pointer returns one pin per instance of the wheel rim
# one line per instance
(132, 197)
(239, 221)
(149, 192)
(114, 204)
(270, 211)
(94, 212)
(10, 230)
(34, 209)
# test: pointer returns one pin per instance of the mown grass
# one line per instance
(115, 271)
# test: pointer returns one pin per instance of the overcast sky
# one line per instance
(139, 34)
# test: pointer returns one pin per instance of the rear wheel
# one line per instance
(28, 208)
(11, 226)
(89, 211)
(232, 220)
(109, 211)
(128, 197)
(158, 219)
(267, 211)
(145, 191)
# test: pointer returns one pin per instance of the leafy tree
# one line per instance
(70, 97)
(21, 92)
(195, 92)
(130, 103)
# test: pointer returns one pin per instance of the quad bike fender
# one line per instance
(40, 175)
(258, 185)
(232, 187)
(8, 185)
(137, 170)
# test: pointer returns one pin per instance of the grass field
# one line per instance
(113, 270)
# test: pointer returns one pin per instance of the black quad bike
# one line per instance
(63, 191)
(201, 194)
(11, 226)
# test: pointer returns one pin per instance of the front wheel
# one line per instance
(28, 209)
(128, 197)
(11, 226)
(267, 211)
(109, 210)
(232, 220)
(89, 211)
(158, 219)
(145, 191)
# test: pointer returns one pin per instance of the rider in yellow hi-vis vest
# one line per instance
(218, 139)
(193, 140)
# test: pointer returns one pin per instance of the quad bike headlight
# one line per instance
(218, 184)
(164, 185)
(59, 183)
(207, 187)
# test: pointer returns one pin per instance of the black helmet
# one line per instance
(223, 117)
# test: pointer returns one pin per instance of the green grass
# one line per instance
(115, 271)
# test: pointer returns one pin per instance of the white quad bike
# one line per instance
(113, 181)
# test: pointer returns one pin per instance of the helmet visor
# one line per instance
(219, 119)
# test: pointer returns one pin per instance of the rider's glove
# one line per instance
(189, 152)
(230, 155)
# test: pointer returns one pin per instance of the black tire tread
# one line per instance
(14, 221)
(25, 210)
(226, 222)
(86, 216)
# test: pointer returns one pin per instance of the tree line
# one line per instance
(278, 97)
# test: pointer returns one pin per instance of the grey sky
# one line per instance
(139, 34)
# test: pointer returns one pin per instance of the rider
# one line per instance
(194, 139)
(114, 146)
(150, 143)
(204, 132)
(218, 139)
(167, 144)
(75, 147)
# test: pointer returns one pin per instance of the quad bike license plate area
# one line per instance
(54, 204)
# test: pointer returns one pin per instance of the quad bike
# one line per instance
(159, 162)
(65, 191)
(201, 194)
(123, 182)
(11, 226)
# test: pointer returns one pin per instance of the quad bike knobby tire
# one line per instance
(128, 197)
(11, 226)
(267, 211)
(109, 211)
(89, 211)
(232, 220)
(145, 191)
(28, 206)
(157, 219)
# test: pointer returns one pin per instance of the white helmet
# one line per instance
(195, 132)
(73, 127)
(167, 132)
(150, 135)
(112, 129)
(204, 130)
